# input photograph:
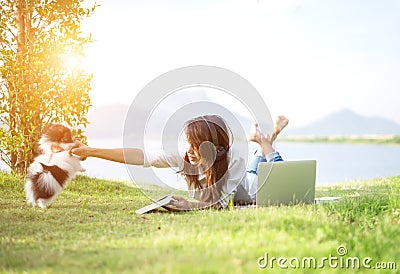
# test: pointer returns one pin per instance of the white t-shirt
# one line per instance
(237, 174)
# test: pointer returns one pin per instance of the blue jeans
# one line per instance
(260, 157)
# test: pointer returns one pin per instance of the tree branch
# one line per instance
(4, 157)
(8, 30)
(6, 44)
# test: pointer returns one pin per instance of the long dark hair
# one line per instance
(210, 136)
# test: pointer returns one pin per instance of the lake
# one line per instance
(335, 162)
(343, 162)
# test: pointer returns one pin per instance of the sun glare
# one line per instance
(71, 63)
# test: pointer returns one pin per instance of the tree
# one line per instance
(37, 38)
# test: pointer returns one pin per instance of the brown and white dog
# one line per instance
(53, 168)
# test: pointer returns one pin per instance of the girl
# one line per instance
(211, 167)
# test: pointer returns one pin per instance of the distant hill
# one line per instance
(347, 122)
(108, 121)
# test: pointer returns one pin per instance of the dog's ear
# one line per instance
(56, 148)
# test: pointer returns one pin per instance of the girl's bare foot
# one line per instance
(256, 135)
(280, 124)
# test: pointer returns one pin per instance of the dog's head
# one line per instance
(57, 133)
(55, 138)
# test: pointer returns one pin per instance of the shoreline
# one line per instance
(346, 139)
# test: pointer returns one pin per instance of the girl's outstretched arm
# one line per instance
(131, 156)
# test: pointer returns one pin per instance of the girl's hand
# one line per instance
(181, 203)
(80, 150)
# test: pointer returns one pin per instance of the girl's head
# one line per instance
(208, 143)
(207, 140)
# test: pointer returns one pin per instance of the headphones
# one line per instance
(220, 150)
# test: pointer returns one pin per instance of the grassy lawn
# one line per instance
(92, 228)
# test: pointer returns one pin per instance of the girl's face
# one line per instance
(193, 153)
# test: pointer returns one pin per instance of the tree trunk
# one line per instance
(20, 18)
(16, 102)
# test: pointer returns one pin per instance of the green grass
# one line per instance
(92, 228)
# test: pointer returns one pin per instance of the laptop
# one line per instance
(286, 183)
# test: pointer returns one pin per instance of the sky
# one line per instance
(306, 58)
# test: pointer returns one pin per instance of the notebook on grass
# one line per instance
(163, 202)
(156, 204)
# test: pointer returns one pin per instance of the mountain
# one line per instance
(165, 117)
(347, 122)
